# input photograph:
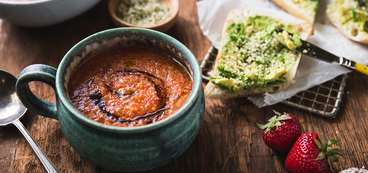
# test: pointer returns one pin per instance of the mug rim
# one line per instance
(196, 77)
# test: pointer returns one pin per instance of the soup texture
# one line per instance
(130, 86)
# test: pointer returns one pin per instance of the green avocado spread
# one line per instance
(352, 13)
(290, 41)
(252, 57)
(308, 4)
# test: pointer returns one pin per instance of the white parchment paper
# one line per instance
(212, 15)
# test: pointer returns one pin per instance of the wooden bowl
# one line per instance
(173, 6)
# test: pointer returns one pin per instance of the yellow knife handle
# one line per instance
(353, 65)
(361, 68)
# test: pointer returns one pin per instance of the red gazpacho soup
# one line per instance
(129, 86)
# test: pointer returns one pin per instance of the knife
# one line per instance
(316, 52)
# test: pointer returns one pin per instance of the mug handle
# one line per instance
(37, 72)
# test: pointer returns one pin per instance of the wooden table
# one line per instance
(229, 139)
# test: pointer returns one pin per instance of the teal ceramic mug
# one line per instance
(118, 148)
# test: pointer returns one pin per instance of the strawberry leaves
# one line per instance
(274, 121)
(328, 151)
(281, 131)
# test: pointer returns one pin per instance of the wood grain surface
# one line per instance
(229, 139)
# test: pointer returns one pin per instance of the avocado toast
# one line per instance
(350, 17)
(303, 9)
(251, 61)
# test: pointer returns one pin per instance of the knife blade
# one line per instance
(316, 52)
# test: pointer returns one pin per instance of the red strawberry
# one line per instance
(281, 132)
(311, 154)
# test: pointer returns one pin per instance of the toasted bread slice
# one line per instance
(306, 11)
(214, 91)
(340, 15)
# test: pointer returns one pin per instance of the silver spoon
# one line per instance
(11, 109)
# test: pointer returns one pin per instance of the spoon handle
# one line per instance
(49, 166)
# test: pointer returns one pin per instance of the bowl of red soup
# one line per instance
(127, 99)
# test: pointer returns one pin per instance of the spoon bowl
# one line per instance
(11, 109)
